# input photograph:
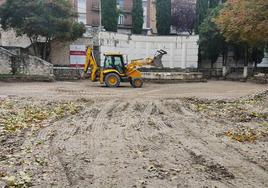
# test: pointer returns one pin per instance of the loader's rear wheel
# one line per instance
(136, 82)
(112, 80)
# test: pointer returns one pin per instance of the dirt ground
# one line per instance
(79, 134)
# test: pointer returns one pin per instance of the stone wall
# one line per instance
(9, 38)
(5, 61)
(24, 65)
(31, 65)
(173, 77)
(68, 73)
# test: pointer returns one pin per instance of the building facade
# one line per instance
(2, 1)
(89, 13)
(151, 16)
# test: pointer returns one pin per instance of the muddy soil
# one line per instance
(77, 134)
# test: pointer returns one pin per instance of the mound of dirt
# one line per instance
(134, 142)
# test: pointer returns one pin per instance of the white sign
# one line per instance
(77, 55)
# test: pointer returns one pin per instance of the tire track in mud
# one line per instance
(51, 142)
(100, 144)
(83, 168)
(199, 145)
(214, 130)
(155, 145)
(58, 144)
(211, 167)
(43, 151)
(97, 128)
(238, 149)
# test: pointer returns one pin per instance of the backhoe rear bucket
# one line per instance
(158, 58)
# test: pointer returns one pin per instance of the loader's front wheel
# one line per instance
(112, 80)
(136, 82)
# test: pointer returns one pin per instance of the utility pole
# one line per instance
(100, 16)
(99, 34)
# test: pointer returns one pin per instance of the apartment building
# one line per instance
(2, 1)
(89, 13)
(151, 16)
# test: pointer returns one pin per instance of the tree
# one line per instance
(110, 15)
(211, 42)
(183, 16)
(163, 16)
(244, 21)
(42, 21)
(201, 13)
(202, 8)
(137, 17)
(213, 3)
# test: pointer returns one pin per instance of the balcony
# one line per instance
(126, 9)
(95, 6)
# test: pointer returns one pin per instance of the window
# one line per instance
(144, 4)
(82, 11)
(82, 18)
(121, 19)
(108, 62)
(121, 4)
(117, 61)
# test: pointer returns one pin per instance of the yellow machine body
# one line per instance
(115, 71)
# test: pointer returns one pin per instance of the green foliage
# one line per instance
(41, 21)
(244, 21)
(211, 42)
(163, 16)
(202, 8)
(213, 3)
(257, 55)
(110, 15)
(137, 16)
(201, 12)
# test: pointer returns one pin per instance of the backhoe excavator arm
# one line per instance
(156, 61)
(92, 64)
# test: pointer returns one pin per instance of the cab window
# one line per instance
(108, 63)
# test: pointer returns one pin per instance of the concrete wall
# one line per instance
(60, 51)
(182, 50)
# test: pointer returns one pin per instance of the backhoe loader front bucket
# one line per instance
(158, 58)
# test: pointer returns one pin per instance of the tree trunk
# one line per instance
(33, 45)
(245, 72)
(44, 54)
(224, 61)
(211, 68)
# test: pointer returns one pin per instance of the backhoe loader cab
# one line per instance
(114, 61)
(114, 70)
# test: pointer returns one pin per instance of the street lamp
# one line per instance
(100, 16)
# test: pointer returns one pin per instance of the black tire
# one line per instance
(136, 82)
(114, 77)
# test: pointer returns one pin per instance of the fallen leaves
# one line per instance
(16, 117)
(238, 112)
(242, 135)
(21, 118)
(21, 180)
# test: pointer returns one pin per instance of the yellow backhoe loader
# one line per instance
(114, 70)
